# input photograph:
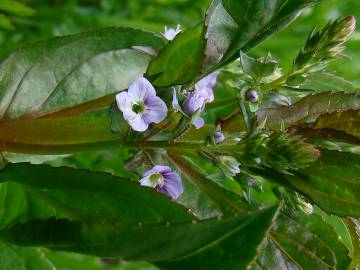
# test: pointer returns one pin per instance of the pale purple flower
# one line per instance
(171, 33)
(196, 100)
(164, 180)
(140, 105)
(229, 165)
(219, 137)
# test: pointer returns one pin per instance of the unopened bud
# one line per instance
(252, 95)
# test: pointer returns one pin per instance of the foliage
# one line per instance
(277, 154)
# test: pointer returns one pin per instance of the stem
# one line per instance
(163, 145)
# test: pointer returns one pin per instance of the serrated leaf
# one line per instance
(298, 241)
(353, 227)
(241, 25)
(19, 258)
(348, 121)
(228, 242)
(308, 109)
(332, 182)
(85, 195)
(324, 82)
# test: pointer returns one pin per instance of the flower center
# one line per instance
(157, 179)
(138, 108)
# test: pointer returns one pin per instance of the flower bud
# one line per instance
(252, 95)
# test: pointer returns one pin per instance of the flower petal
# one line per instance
(173, 186)
(140, 89)
(158, 169)
(122, 101)
(155, 110)
(193, 103)
(137, 123)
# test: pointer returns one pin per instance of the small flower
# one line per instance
(140, 105)
(164, 180)
(257, 160)
(229, 165)
(219, 137)
(171, 33)
(252, 95)
(203, 93)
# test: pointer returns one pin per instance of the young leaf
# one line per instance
(180, 60)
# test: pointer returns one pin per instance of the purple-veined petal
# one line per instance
(155, 110)
(140, 89)
(172, 185)
(137, 123)
(219, 137)
(170, 33)
(193, 103)
(122, 101)
(199, 122)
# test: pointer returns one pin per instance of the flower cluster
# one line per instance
(141, 106)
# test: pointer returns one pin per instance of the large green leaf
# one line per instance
(308, 109)
(19, 258)
(85, 195)
(69, 76)
(241, 25)
(211, 244)
(332, 182)
(299, 241)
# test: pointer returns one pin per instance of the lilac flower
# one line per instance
(219, 137)
(229, 165)
(140, 105)
(163, 180)
(171, 33)
(195, 101)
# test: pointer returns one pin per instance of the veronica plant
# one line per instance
(204, 180)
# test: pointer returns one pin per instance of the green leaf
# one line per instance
(299, 241)
(241, 25)
(205, 197)
(5, 23)
(308, 109)
(352, 226)
(101, 197)
(229, 243)
(60, 75)
(16, 8)
(179, 62)
(18, 204)
(19, 258)
(348, 121)
(332, 182)
(324, 82)
(68, 76)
